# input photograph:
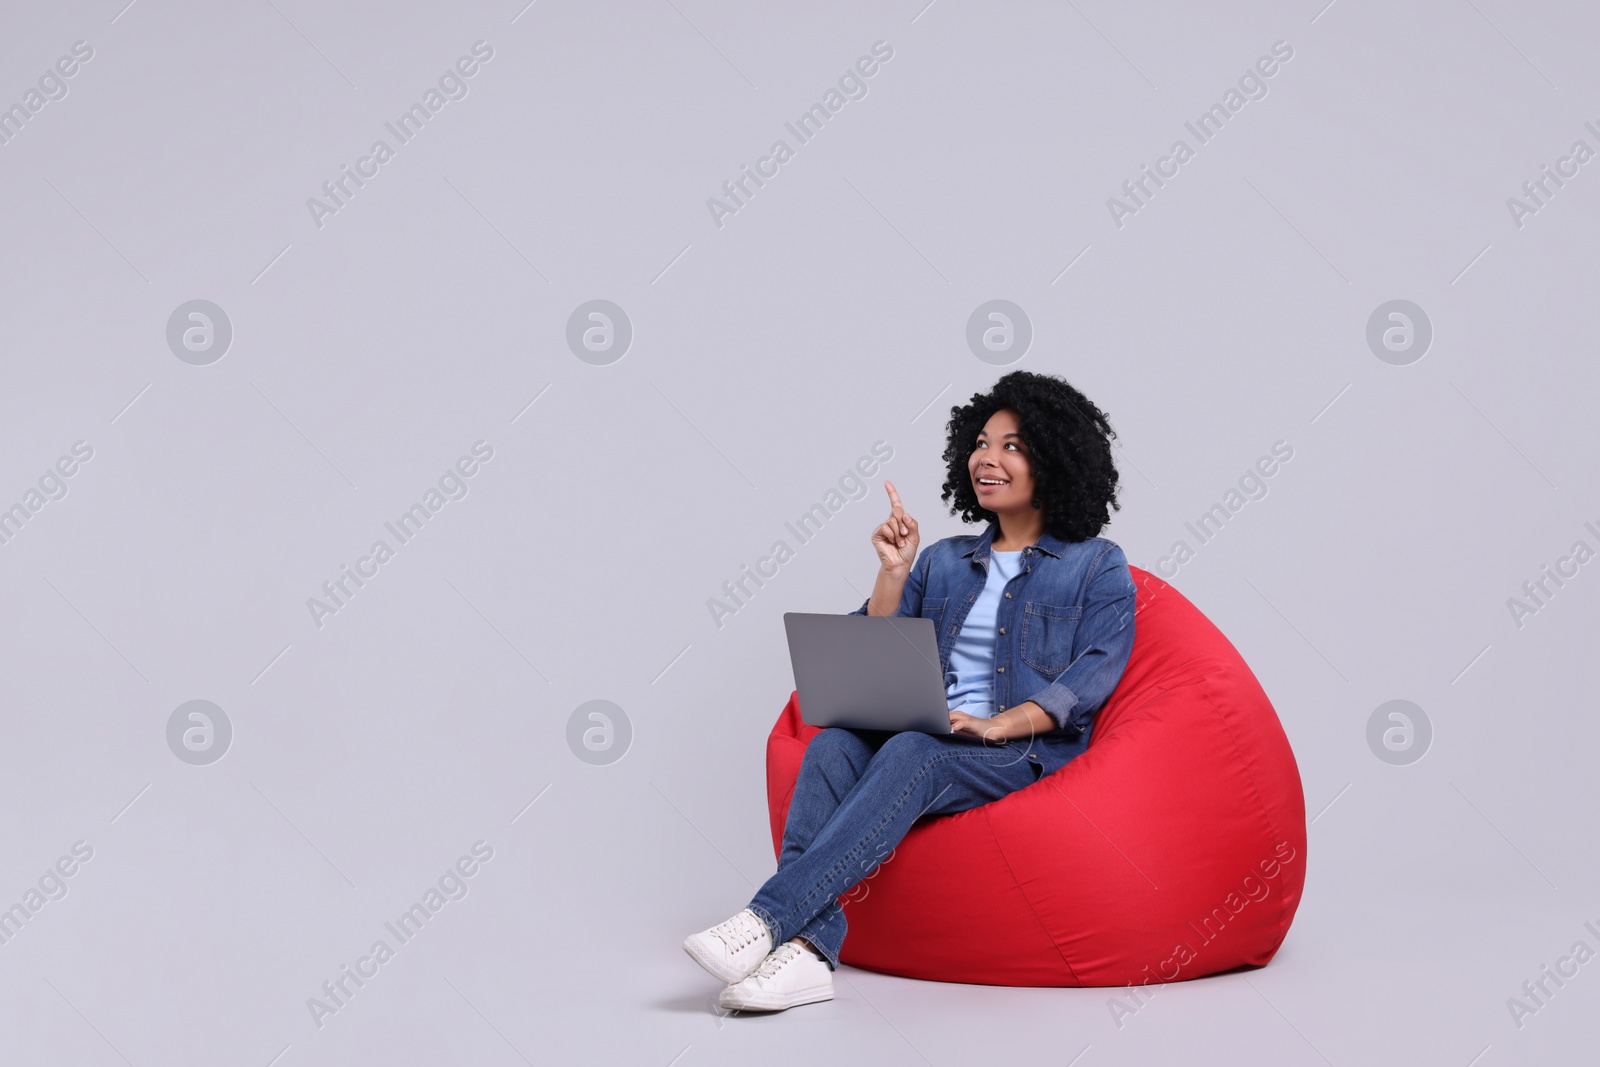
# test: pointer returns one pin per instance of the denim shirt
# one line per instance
(1063, 634)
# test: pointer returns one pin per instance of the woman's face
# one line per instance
(1002, 473)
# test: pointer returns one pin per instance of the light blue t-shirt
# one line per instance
(969, 684)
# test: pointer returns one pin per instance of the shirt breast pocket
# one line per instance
(933, 608)
(1047, 633)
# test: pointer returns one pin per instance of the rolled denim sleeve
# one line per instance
(1101, 646)
(911, 596)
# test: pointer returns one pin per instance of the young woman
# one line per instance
(1035, 624)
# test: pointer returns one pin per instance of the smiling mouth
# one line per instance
(992, 483)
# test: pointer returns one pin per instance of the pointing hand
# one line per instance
(896, 539)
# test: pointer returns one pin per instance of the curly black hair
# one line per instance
(1069, 440)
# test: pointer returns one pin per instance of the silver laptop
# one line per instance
(867, 672)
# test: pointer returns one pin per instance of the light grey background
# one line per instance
(768, 355)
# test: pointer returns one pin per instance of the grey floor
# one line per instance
(223, 384)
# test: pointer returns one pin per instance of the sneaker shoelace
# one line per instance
(776, 961)
(739, 931)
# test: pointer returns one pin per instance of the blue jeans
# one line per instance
(858, 793)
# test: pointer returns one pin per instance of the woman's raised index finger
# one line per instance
(894, 497)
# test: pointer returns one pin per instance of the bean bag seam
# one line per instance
(1206, 677)
(1023, 893)
(1152, 690)
(1248, 766)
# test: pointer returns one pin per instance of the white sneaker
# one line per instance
(731, 950)
(790, 976)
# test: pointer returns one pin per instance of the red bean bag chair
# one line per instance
(1173, 847)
